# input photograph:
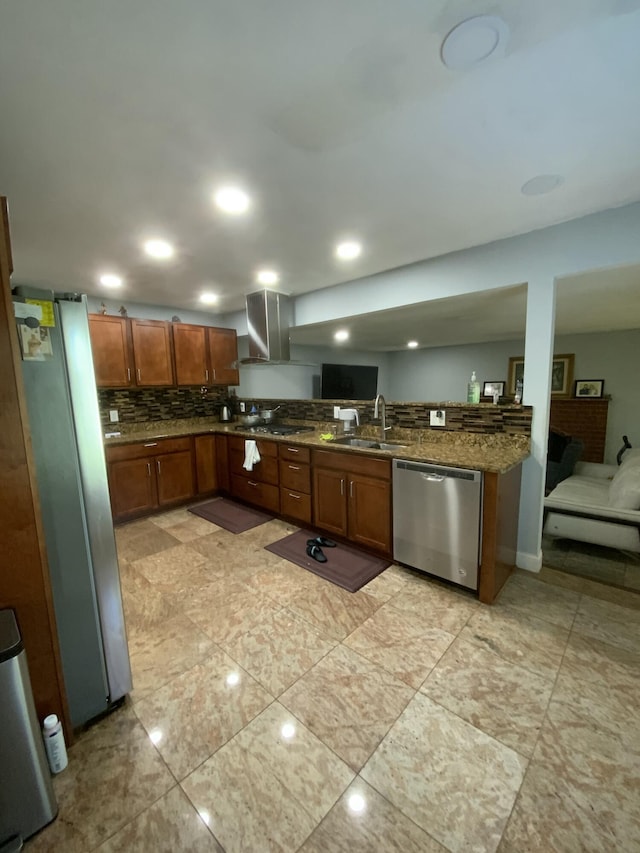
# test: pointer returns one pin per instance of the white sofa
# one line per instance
(598, 504)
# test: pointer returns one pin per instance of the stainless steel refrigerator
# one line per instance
(66, 432)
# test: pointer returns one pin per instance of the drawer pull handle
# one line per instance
(251, 483)
(294, 467)
(152, 444)
(295, 497)
(293, 449)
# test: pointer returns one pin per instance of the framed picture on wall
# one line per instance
(491, 388)
(589, 388)
(561, 374)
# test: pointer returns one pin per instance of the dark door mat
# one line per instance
(346, 567)
(230, 515)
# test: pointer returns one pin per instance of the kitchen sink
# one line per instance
(370, 444)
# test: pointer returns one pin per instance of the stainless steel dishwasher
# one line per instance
(437, 513)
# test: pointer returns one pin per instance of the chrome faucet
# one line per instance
(380, 410)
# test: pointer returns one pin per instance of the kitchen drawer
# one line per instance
(296, 477)
(266, 470)
(295, 454)
(261, 494)
(295, 505)
(147, 448)
(265, 448)
(352, 463)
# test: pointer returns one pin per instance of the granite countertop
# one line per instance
(495, 453)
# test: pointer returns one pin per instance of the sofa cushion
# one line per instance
(624, 491)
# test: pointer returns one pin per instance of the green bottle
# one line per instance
(473, 390)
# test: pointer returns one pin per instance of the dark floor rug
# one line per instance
(346, 566)
(230, 515)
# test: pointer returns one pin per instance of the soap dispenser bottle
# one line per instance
(473, 390)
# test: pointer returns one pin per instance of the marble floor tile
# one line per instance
(163, 651)
(454, 781)
(229, 557)
(603, 592)
(143, 604)
(385, 586)
(279, 649)
(175, 570)
(269, 787)
(170, 825)
(508, 702)
(265, 534)
(632, 577)
(553, 577)
(601, 673)
(348, 702)
(541, 600)
(403, 643)
(190, 528)
(333, 610)
(171, 517)
(141, 538)
(531, 643)
(233, 616)
(581, 791)
(362, 821)
(282, 581)
(114, 773)
(442, 607)
(611, 623)
(200, 710)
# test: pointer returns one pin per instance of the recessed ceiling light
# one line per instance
(348, 250)
(473, 41)
(341, 335)
(267, 277)
(541, 184)
(111, 280)
(159, 249)
(232, 200)
(208, 298)
(412, 344)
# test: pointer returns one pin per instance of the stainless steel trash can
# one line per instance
(27, 800)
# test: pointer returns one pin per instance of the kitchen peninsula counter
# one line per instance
(495, 453)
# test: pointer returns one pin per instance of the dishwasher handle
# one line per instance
(434, 478)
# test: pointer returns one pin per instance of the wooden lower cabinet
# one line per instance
(352, 498)
(222, 463)
(146, 476)
(206, 460)
(260, 485)
(295, 483)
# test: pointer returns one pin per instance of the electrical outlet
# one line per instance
(437, 417)
(336, 411)
(113, 416)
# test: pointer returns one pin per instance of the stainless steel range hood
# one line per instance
(268, 322)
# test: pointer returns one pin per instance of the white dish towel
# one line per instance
(251, 454)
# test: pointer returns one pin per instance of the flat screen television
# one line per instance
(349, 382)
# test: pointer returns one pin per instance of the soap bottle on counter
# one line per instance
(473, 390)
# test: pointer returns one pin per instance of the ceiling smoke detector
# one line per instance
(473, 41)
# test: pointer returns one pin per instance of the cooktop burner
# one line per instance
(275, 429)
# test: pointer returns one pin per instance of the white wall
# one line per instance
(301, 381)
(155, 312)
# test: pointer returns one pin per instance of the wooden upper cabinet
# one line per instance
(223, 354)
(152, 352)
(111, 346)
(190, 347)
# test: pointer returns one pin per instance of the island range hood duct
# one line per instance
(268, 322)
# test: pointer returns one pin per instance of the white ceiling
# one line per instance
(119, 119)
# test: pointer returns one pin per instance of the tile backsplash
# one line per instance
(159, 404)
(162, 404)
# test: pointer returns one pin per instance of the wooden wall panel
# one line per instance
(24, 573)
